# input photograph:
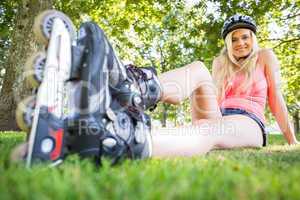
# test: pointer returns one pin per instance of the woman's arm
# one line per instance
(275, 98)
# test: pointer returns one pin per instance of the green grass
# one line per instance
(268, 173)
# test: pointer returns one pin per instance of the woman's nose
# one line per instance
(240, 42)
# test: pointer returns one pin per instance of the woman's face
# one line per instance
(241, 43)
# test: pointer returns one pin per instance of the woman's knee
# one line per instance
(196, 64)
(199, 69)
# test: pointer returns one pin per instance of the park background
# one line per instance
(167, 34)
(161, 33)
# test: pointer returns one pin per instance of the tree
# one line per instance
(21, 46)
(166, 34)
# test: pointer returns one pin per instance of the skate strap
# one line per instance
(138, 73)
(124, 151)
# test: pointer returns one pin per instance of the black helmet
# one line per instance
(238, 21)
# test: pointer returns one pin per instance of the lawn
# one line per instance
(268, 173)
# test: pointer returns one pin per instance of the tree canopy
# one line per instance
(169, 34)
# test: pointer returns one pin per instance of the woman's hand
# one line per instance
(294, 142)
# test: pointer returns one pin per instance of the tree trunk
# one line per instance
(296, 122)
(165, 115)
(22, 46)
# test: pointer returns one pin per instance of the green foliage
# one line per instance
(169, 34)
(151, 33)
(7, 14)
(267, 173)
(290, 70)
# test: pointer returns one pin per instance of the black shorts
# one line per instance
(233, 111)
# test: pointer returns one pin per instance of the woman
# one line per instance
(232, 116)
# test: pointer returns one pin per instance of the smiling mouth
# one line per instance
(241, 49)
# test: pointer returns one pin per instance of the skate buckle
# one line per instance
(111, 115)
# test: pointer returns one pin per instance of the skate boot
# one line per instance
(97, 121)
(42, 114)
(98, 125)
(139, 89)
(148, 85)
(133, 87)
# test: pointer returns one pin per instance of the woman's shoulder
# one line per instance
(267, 57)
(266, 53)
(269, 61)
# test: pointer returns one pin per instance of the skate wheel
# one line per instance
(18, 154)
(123, 126)
(34, 68)
(24, 113)
(43, 24)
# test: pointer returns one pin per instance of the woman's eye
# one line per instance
(245, 37)
(234, 40)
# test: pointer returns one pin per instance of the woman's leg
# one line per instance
(226, 132)
(193, 80)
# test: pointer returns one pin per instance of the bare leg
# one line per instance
(210, 130)
(204, 103)
(227, 132)
(193, 80)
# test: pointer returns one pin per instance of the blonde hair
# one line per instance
(229, 66)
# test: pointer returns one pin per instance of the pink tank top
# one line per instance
(253, 99)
